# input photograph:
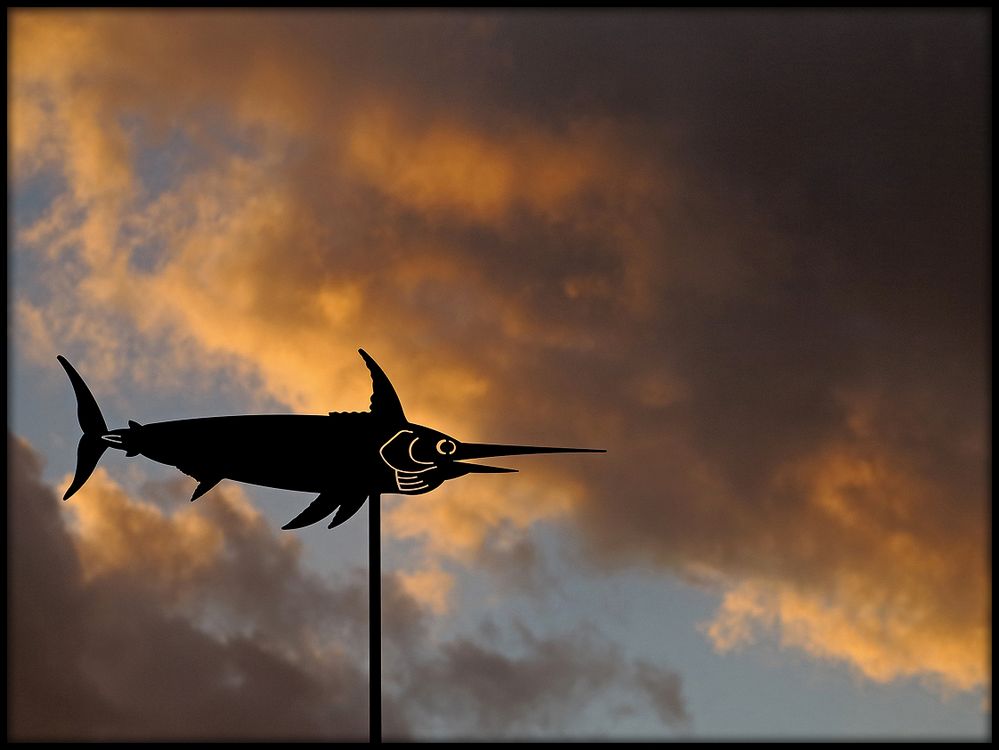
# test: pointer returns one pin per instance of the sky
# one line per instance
(745, 252)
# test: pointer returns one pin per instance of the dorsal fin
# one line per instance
(384, 401)
(203, 486)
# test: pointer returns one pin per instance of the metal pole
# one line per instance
(375, 618)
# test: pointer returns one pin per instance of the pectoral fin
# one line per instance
(329, 502)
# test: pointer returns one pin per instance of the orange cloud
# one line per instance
(431, 587)
(884, 635)
(896, 600)
(450, 168)
(113, 533)
(457, 519)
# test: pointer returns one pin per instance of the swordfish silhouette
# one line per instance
(346, 457)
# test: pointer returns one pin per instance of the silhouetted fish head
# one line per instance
(423, 458)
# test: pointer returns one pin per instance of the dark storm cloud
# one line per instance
(117, 657)
(820, 291)
(535, 685)
(825, 265)
(665, 691)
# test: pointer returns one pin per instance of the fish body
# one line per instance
(306, 453)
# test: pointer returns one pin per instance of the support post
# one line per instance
(375, 618)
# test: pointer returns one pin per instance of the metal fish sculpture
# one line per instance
(346, 457)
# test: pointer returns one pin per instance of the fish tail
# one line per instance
(92, 444)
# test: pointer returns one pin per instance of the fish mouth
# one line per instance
(464, 468)
(467, 451)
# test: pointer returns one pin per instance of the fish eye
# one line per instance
(446, 447)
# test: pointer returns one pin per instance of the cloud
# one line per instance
(543, 687)
(865, 628)
(746, 254)
(430, 586)
(665, 691)
(138, 623)
(926, 613)
(127, 627)
(454, 170)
